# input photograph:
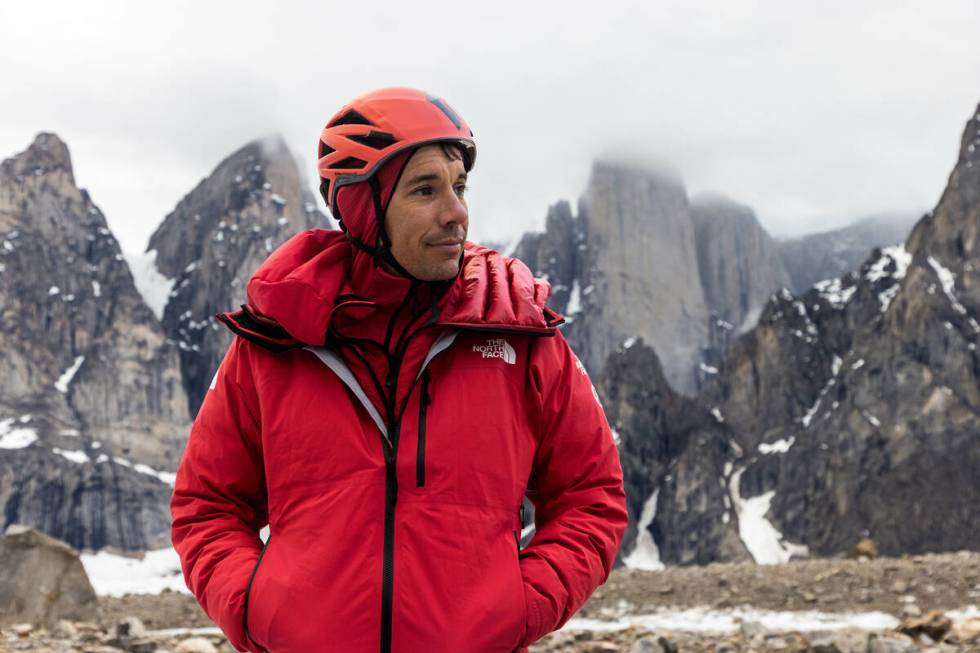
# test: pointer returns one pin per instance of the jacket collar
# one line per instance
(294, 296)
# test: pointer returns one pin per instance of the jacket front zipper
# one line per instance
(388, 566)
(388, 430)
(391, 469)
(420, 452)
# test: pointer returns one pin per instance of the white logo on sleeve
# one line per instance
(214, 381)
(581, 368)
(497, 348)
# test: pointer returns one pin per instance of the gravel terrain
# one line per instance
(898, 589)
(944, 581)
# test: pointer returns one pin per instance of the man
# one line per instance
(393, 394)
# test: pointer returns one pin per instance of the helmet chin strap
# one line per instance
(384, 249)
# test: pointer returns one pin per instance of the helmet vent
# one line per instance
(325, 149)
(377, 140)
(351, 118)
(349, 162)
(453, 118)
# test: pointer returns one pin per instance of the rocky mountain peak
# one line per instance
(46, 154)
(719, 203)
(948, 238)
(636, 173)
(853, 397)
(92, 392)
(641, 267)
(207, 248)
(260, 176)
(625, 202)
(850, 410)
(674, 453)
(639, 260)
(273, 147)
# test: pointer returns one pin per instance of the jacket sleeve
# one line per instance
(576, 486)
(218, 504)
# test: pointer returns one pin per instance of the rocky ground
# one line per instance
(928, 594)
(943, 581)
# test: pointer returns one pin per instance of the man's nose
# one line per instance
(453, 210)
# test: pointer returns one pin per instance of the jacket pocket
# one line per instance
(248, 593)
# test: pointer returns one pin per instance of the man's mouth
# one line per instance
(447, 243)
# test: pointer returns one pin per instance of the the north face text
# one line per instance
(497, 348)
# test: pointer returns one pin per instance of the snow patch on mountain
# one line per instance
(779, 446)
(948, 282)
(16, 437)
(764, 542)
(645, 555)
(65, 379)
(152, 285)
(896, 256)
(833, 291)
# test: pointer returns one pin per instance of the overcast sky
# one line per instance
(811, 113)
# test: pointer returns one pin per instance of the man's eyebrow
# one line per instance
(418, 179)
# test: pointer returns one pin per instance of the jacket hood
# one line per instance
(294, 295)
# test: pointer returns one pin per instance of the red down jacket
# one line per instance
(391, 476)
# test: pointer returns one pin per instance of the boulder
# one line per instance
(650, 645)
(196, 645)
(935, 624)
(866, 548)
(967, 631)
(839, 642)
(43, 580)
(130, 627)
(891, 644)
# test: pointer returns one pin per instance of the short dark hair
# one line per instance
(456, 152)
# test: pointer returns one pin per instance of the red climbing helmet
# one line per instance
(371, 129)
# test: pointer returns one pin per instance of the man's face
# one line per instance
(427, 217)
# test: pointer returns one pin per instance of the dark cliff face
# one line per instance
(92, 385)
(739, 263)
(674, 454)
(558, 255)
(90, 504)
(891, 448)
(856, 406)
(213, 241)
(740, 269)
(626, 266)
(637, 259)
(643, 268)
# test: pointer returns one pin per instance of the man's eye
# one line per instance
(423, 190)
(462, 188)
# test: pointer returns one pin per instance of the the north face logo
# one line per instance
(497, 348)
